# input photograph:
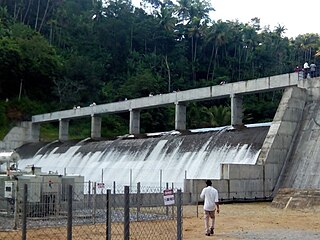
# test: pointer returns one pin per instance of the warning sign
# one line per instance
(168, 197)
(100, 185)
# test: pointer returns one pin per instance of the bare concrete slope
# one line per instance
(303, 167)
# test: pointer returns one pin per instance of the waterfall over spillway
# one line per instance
(151, 161)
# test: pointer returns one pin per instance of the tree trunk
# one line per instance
(37, 16)
(27, 11)
(214, 63)
(44, 15)
(169, 73)
(210, 62)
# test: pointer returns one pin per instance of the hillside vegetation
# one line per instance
(58, 54)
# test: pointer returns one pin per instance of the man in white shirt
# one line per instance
(211, 204)
(305, 69)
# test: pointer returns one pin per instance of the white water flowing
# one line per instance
(153, 162)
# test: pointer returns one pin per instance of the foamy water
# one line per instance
(153, 162)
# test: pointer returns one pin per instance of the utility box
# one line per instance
(78, 184)
(51, 184)
(9, 189)
(34, 187)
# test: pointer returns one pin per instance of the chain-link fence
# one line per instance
(53, 210)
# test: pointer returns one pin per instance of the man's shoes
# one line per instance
(207, 234)
(211, 231)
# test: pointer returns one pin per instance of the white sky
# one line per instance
(298, 17)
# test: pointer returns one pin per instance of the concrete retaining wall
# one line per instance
(282, 133)
(17, 136)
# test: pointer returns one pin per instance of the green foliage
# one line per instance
(29, 64)
(57, 54)
(219, 116)
(4, 124)
(213, 116)
(261, 107)
(79, 129)
(114, 125)
(49, 132)
(141, 85)
(22, 109)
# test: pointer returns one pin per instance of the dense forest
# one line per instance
(56, 54)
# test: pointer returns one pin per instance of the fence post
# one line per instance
(167, 208)
(69, 224)
(16, 206)
(138, 199)
(94, 202)
(130, 180)
(24, 212)
(172, 186)
(197, 199)
(126, 213)
(89, 194)
(108, 213)
(179, 215)
(160, 180)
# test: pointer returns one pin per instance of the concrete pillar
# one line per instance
(63, 129)
(95, 127)
(35, 132)
(236, 110)
(31, 131)
(134, 127)
(180, 116)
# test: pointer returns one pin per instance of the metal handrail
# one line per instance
(303, 74)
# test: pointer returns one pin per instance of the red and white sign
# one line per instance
(168, 197)
(100, 185)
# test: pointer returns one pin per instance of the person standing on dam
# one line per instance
(313, 70)
(211, 205)
(305, 70)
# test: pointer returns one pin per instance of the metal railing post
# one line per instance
(24, 212)
(126, 213)
(179, 215)
(167, 208)
(108, 213)
(138, 199)
(94, 202)
(69, 223)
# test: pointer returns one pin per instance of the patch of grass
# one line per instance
(49, 132)
(3, 131)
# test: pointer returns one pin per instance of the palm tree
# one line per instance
(220, 116)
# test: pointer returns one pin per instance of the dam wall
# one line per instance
(241, 181)
(152, 161)
(302, 170)
(244, 163)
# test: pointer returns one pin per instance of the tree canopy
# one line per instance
(68, 52)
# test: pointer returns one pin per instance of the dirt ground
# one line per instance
(256, 221)
(235, 221)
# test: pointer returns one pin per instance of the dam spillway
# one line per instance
(153, 161)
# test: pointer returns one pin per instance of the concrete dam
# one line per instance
(153, 161)
(251, 162)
